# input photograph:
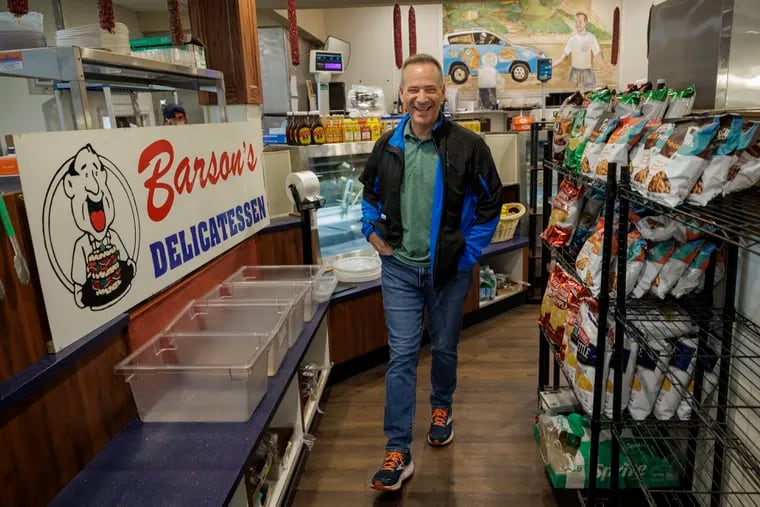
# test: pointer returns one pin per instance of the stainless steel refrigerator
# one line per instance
(278, 74)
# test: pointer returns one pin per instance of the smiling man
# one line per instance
(431, 204)
(101, 267)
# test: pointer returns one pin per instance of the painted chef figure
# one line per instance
(101, 267)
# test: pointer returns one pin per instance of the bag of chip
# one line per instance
(642, 153)
(655, 102)
(576, 141)
(549, 301)
(627, 134)
(588, 218)
(588, 264)
(596, 142)
(569, 347)
(598, 103)
(714, 177)
(630, 353)
(647, 378)
(587, 358)
(676, 167)
(664, 323)
(634, 265)
(628, 104)
(566, 209)
(709, 364)
(677, 379)
(680, 102)
(671, 272)
(693, 278)
(658, 228)
(567, 299)
(745, 172)
(657, 256)
(563, 122)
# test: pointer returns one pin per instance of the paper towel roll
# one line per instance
(306, 183)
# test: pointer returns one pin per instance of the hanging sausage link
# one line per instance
(106, 17)
(412, 32)
(18, 7)
(295, 54)
(175, 23)
(397, 36)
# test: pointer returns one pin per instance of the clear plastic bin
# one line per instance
(324, 288)
(197, 378)
(238, 319)
(267, 293)
(305, 273)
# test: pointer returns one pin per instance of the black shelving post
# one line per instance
(618, 354)
(544, 354)
(610, 192)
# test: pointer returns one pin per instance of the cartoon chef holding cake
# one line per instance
(101, 267)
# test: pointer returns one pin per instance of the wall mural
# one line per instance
(494, 45)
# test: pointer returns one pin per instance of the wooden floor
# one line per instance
(493, 460)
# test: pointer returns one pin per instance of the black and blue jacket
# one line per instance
(466, 202)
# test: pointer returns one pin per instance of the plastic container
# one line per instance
(238, 319)
(267, 293)
(324, 287)
(296, 273)
(197, 378)
(358, 269)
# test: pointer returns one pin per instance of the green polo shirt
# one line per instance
(420, 166)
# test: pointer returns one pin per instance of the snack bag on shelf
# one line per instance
(563, 122)
(567, 300)
(714, 177)
(566, 209)
(671, 272)
(596, 142)
(588, 264)
(677, 379)
(648, 376)
(676, 167)
(642, 153)
(630, 353)
(680, 102)
(549, 302)
(588, 218)
(628, 104)
(627, 134)
(656, 258)
(587, 358)
(745, 172)
(693, 278)
(598, 103)
(634, 265)
(664, 323)
(709, 364)
(655, 103)
(576, 141)
(658, 228)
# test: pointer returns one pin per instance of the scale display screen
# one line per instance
(326, 61)
(544, 69)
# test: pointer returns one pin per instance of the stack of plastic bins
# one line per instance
(311, 274)
(197, 378)
(255, 320)
(267, 293)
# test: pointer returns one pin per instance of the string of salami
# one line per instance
(295, 56)
(615, 36)
(106, 16)
(18, 7)
(412, 32)
(397, 49)
(175, 23)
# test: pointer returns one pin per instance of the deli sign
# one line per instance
(118, 215)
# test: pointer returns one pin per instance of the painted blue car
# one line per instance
(466, 51)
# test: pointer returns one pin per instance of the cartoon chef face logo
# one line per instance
(90, 198)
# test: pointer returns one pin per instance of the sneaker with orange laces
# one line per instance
(441, 431)
(397, 467)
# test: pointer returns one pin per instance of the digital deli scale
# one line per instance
(325, 64)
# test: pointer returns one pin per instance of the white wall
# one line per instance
(156, 22)
(370, 32)
(312, 21)
(633, 62)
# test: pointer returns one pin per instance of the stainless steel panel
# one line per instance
(724, 54)
(743, 75)
(300, 155)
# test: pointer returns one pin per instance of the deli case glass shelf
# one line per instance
(338, 167)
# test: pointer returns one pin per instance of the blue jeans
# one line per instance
(407, 291)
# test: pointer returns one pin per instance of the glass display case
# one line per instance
(338, 167)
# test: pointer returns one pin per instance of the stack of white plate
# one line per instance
(357, 269)
(21, 40)
(94, 37)
(24, 32)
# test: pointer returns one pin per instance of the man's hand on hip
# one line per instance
(379, 244)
